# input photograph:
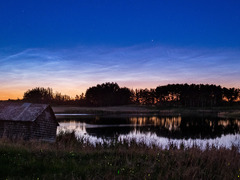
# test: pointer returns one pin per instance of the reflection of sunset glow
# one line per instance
(69, 126)
(171, 123)
(226, 123)
(150, 139)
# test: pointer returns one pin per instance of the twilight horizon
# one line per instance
(71, 46)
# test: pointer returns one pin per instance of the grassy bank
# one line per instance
(72, 159)
(228, 111)
(103, 110)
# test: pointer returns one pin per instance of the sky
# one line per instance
(75, 44)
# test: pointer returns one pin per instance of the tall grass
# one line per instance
(69, 158)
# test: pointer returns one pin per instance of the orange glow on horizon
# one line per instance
(72, 91)
(5, 95)
(18, 94)
(11, 92)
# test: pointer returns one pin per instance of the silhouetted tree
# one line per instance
(194, 95)
(108, 94)
(39, 95)
(123, 96)
(231, 94)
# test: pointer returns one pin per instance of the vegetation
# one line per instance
(108, 94)
(42, 95)
(184, 95)
(172, 95)
(69, 158)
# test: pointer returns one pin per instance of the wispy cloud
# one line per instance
(71, 71)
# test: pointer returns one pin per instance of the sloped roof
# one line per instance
(20, 111)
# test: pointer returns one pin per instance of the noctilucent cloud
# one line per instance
(72, 45)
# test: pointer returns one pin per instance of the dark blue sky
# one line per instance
(71, 45)
(61, 23)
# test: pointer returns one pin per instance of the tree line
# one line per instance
(110, 94)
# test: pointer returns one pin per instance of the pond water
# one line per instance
(153, 130)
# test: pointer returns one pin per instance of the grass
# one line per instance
(103, 110)
(69, 158)
(225, 112)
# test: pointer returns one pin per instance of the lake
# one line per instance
(153, 130)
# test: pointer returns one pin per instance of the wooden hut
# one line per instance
(27, 121)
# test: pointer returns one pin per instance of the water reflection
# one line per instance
(152, 128)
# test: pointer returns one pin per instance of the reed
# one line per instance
(70, 158)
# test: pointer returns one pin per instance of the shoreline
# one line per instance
(68, 158)
(222, 112)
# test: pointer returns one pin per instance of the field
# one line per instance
(97, 110)
(230, 111)
(68, 158)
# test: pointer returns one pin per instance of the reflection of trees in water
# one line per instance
(99, 120)
(167, 122)
(171, 127)
(109, 131)
(202, 127)
(140, 123)
(192, 127)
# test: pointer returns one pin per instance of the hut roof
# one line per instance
(21, 111)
